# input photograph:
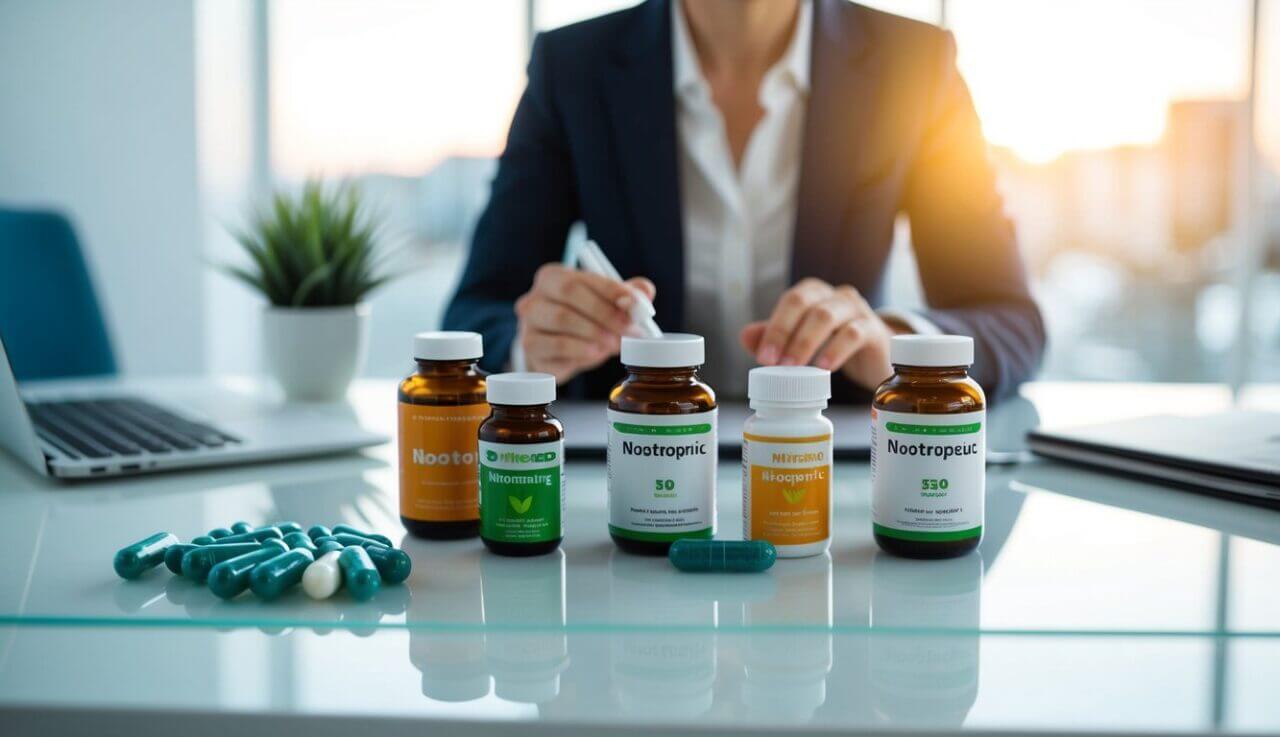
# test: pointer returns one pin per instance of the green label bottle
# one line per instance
(521, 467)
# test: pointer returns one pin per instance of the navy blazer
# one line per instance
(889, 128)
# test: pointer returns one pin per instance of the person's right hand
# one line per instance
(571, 321)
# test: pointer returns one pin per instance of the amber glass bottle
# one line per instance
(662, 446)
(521, 467)
(441, 407)
(928, 450)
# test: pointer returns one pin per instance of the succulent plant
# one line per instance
(315, 249)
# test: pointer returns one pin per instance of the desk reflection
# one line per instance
(525, 645)
(671, 672)
(924, 645)
(786, 672)
(451, 661)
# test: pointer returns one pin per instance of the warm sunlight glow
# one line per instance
(395, 85)
(1050, 76)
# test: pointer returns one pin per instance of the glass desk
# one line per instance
(1095, 604)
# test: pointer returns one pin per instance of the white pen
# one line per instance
(592, 259)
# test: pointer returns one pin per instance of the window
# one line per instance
(1116, 129)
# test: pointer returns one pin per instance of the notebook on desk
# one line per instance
(586, 433)
(1233, 453)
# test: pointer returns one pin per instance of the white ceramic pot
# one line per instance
(315, 352)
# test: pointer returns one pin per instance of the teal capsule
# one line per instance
(173, 556)
(258, 535)
(285, 527)
(299, 540)
(359, 574)
(202, 540)
(218, 532)
(393, 565)
(197, 563)
(328, 546)
(746, 556)
(273, 577)
(241, 527)
(349, 540)
(230, 577)
(134, 560)
(318, 531)
(349, 530)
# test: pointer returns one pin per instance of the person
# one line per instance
(743, 163)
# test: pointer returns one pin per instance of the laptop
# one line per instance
(1235, 453)
(586, 432)
(88, 428)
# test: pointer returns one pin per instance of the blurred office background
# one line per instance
(1137, 141)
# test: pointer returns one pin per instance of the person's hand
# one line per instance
(832, 327)
(571, 321)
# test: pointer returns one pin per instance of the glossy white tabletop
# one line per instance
(1095, 604)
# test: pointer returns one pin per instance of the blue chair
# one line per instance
(49, 315)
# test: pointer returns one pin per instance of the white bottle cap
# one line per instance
(792, 384)
(521, 388)
(447, 345)
(931, 350)
(672, 350)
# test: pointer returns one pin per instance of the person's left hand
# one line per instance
(832, 327)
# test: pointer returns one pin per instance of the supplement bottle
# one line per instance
(662, 446)
(441, 407)
(928, 450)
(786, 460)
(521, 467)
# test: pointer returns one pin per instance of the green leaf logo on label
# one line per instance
(521, 506)
(490, 456)
(793, 496)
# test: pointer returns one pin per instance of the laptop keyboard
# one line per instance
(102, 428)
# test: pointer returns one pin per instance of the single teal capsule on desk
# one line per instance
(273, 577)
(328, 546)
(231, 577)
(173, 556)
(315, 532)
(258, 535)
(197, 563)
(349, 530)
(359, 573)
(349, 540)
(393, 565)
(299, 540)
(202, 540)
(241, 527)
(219, 532)
(746, 556)
(133, 560)
(285, 527)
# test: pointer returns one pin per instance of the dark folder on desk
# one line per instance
(1234, 454)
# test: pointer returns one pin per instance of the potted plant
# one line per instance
(313, 257)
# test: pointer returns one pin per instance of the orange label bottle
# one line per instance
(786, 460)
(441, 407)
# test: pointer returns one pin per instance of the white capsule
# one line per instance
(324, 577)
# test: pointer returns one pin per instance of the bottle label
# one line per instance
(928, 475)
(522, 491)
(786, 488)
(662, 475)
(438, 472)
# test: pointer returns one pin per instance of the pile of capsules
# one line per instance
(271, 559)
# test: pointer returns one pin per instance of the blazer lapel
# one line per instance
(843, 89)
(638, 88)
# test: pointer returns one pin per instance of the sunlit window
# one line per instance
(391, 86)
(1116, 130)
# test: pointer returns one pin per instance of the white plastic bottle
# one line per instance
(786, 460)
